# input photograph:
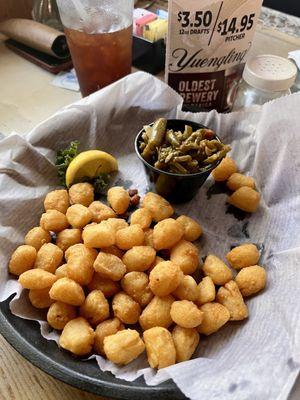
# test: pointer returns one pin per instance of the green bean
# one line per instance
(179, 168)
(208, 151)
(171, 138)
(159, 165)
(169, 158)
(188, 130)
(181, 159)
(201, 133)
(156, 137)
(179, 136)
(188, 147)
(219, 146)
(147, 133)
(212, 159)
(211, 144)
(217, 156)
(180, 152)
(192, 164)
(198, 141)
(193, 137)
(158, 132)
(164, 153)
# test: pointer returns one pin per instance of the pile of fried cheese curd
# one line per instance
(244, 196)
(118, 288)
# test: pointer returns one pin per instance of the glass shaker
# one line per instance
(265, 77)
(46, 12)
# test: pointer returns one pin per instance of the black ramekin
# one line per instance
(177, 188)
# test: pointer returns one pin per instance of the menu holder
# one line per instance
(149, 35)
(149, 56)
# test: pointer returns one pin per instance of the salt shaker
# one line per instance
(265, 77)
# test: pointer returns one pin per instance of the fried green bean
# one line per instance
(180, 152)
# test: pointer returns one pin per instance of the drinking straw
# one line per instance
(81, 11)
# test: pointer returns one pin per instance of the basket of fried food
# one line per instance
(117, 285)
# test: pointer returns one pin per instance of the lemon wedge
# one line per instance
(90, 164)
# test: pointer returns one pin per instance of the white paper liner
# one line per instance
(255, 359)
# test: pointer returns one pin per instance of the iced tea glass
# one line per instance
(99, 35)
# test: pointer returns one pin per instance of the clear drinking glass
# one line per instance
(99, 35)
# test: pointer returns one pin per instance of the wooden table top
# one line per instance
(25, 90)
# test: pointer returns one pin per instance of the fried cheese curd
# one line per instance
(120, 286)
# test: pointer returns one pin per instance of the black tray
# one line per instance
(25, 337)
